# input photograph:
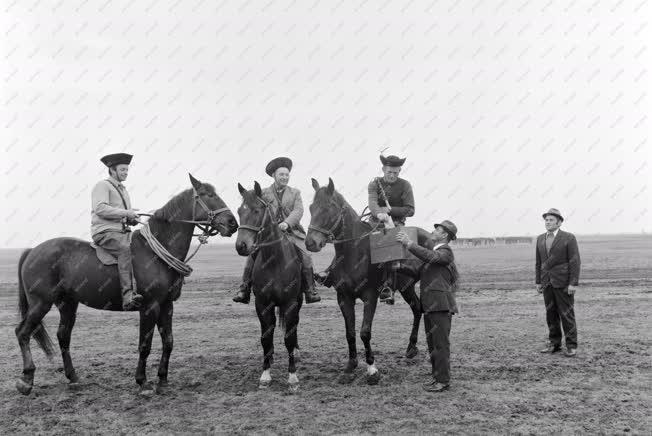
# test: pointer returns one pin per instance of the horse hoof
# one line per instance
(351, 366)
(146, 390)
(346, 378)
(74, 386)
(373, 379)
(293, 387)
(73, 378)
(264, 384)
(23, 387)
(411, 351)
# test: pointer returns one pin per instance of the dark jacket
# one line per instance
(400, 197)
(437, 289)
(561, 267)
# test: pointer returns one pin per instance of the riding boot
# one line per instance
(386, 288)
(244, 292)
(131, 300)
(310, 292)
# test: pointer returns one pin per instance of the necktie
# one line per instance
(550, 236)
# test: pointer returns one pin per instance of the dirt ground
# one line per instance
(501, 384)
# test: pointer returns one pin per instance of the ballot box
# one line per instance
(385, 248)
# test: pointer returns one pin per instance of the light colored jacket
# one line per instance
(107, 207)
(292, 207)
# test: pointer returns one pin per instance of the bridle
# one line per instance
(258, 230)
(336, 229)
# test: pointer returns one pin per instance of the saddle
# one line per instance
(104, 256)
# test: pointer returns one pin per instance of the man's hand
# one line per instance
(283, 226)
(571, 290)
(382, 216)
(403, 238)
(131, 214)
(540, 289)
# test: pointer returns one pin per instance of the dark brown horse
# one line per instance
(276, 278)
(334, 220)
(66, 271)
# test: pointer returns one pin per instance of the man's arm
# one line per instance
(374, 207)
(441, 256)
(573, 261)
(294, 218)
(100, 203)
(407, 209)
(537, 264)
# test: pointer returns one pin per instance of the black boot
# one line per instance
(244, 293)
(131, 300)
(310, 292)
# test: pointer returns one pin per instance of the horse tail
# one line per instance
(281, 317)
(40, 333)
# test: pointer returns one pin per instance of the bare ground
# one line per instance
(501, 384)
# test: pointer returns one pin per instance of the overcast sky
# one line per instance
(503, 109)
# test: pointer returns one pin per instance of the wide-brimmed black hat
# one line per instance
(554, 212)
(392, 161)
(450, 228)
(279, 162)
(111, 160)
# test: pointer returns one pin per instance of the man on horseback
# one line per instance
(390, 202)
(111, 218)
(287, 207)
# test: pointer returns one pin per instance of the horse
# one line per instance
(276, 278)
(66, 271)
(334, 220)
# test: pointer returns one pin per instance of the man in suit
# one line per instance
(438, 284)
(287, 206)
(111, 216)
(557, 272)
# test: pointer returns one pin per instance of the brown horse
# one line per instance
(66, 271)
(334, 220)
(276, 278)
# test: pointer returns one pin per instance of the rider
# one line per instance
(111, 217)
(389, 188)
(288, 216)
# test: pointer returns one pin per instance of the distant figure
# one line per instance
(557, 273)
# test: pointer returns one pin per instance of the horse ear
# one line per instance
(331, 186)
(315, 184)
(241, 189)
(257, 189)
(195, 183)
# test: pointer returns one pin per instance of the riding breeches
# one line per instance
(118, 244)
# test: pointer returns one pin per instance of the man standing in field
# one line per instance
(439, 279)
(557, 272)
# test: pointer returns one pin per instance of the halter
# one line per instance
(258, 230)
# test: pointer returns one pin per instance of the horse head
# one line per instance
(254, 215)
(326, 214)
(211, 209)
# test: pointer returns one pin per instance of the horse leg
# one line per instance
(165, 329)
(347, 307)
(67, 317)
(410, 297)
(370, 303)
(267, 319)
(291, 312)
(148, 317)
(24, 332)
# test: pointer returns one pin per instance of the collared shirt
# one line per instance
(554, 233)
(107, 208)
(438, 245)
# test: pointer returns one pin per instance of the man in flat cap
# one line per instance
(439, 278)
(111, 217)
(390, 201)
(287, 207)
(557, 272)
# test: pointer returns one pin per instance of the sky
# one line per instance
(503, 109)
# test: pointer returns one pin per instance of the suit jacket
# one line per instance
(561, 267)
(437, 290)
(291, 208)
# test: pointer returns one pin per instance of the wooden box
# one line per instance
(385, 248)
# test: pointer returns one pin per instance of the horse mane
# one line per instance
(173, 207)
(322, 196)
